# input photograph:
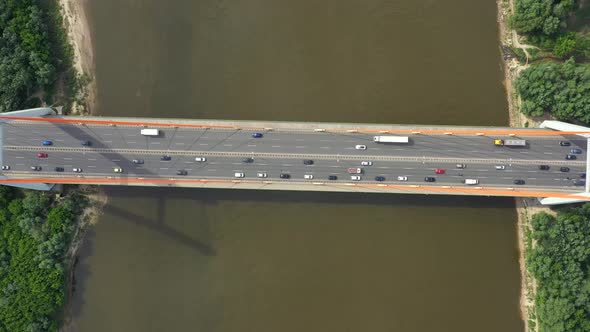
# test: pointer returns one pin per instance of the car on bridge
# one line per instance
(579, 182)
(360, 147)
(5, 167)
(137, 161)
(429, 179)
(284, 176)
(461, 166)
(118, 170)
(307, 162)
(77, 170)
(583, 175)
(47, 143)
(439, 171)
(500, 166)
(571, 157)
(165, 158)
(355, 177)
(59, 169)
(86, 143)
(248, 160)
(544, 167)
(565, 143)
(181, 172)
(36, 168)
(262, 175)
(576, 151)
(257, 135)
(332, 177)
(366, 163)
(200, 159)
(402, 178)
(308, 176)
(380, 178)
(564, 169)
(42, 155)
(518, 181)
(238, 175)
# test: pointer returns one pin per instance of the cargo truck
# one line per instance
(391, 139)
(150, 132)
(510, 142)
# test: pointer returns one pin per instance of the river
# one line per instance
(218, 260)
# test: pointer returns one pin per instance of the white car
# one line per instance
(308, 176)
(200, 159)
(366, 163)
(5, 167)
(360, 147)
(402, 178)
(262, 175)
(355, 177)
(118, 170)
(77, 170)
(500, 167)
(239, 175)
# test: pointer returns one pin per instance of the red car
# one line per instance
(439, 171)
(42, 155)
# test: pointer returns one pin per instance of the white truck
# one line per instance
(150, 132)
(510, 142)
(391, 139)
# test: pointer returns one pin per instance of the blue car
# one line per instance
(47, 143)
(257, 135)
(576, 151)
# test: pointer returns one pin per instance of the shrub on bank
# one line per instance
(35, 233)
(563, 89)
(559, 261)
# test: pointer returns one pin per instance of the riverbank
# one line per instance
(525, 207)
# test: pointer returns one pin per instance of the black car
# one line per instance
(181, 172)
(379, 178)
(564, 169)
(35, 168)
(137, 161)
(248, 160)
(544, 167)
(565, 143)
(518, 181)
(580, 183)
(59, 169)
(583, 175)
(166, 158)
(571, 157)
(576, 151)
(429, 179)
(332, 177)
(86, 143)
(285, 176)
(308, 162)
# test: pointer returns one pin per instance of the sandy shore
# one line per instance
(78, 29)
(525, 207)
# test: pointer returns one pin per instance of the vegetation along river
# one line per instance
(220, 260)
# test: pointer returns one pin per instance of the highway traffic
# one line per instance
(110, 151)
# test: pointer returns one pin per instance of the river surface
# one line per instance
(218, 260)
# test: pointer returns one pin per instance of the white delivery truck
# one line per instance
(391, 139)
(150, 132)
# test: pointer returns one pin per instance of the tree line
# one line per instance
(35, 233)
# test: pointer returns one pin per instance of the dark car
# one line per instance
(35, 168)
(86, 143)
(564, 169)
(379, 178)
(5, 167)
(47, 143)
(59, 169)
(332, 177)
(544, 167)
(583, 175)
(138, 161)
(429, 179)
(308, 162)
(580, 183)
(257, 135)
(248, 160)
(181, 172)
(166, 158)
(518, 181)
(576, 151)
(285, 176)
(565, 143)
(571, 157)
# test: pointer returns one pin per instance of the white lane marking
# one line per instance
(531, 171)
(115, 160)
(155, 143)
(385, 167)
(251, 146)
(287, 165)
(132, 135)
(324, 147)
(178, 143)
(179, 136)
(227, 144)
(275, 139)
(325, 140)
(203, 144)
(547, 152)
(335, 166)
(299, 147)
(163, 168)
(10, 138)
(375, 148)
(532, 178)
(262, 164)
(276, 146)
(91, 166)
(107, 141)
(59, 140)
(20, 157)
(108, 134)
(236, 163)
(200, 137)
(20, 164)
(213, 163)
(131, 142)
(299, 140)
(482, 177)
(67, 158)
(211, 170)
(409, 168)
(91, 159)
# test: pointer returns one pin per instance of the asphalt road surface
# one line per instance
(283, 152)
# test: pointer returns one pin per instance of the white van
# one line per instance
(471, 181)
(239, 175)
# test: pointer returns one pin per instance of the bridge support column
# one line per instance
(33, 112)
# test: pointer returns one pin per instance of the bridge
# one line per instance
(292, 156)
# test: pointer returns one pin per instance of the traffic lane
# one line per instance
(220, 140)
(322, 168)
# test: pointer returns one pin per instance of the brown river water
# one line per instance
(165, 259)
